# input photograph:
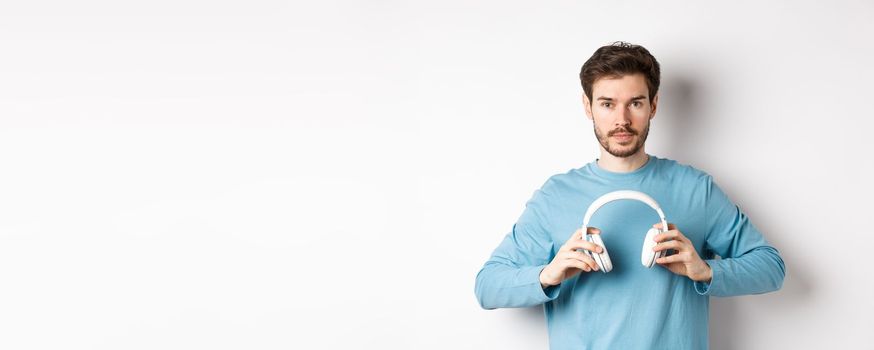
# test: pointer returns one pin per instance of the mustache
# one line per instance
(621, 130)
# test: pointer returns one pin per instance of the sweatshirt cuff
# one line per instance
(704, 288)
(544, 295)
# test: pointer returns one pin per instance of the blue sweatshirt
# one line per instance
(631, 307)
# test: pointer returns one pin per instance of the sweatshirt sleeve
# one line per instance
(748, 264)
(511, 276)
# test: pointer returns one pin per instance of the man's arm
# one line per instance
(511, 276)
(749, 265)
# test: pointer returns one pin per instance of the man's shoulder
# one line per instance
(569, 178)
(680, 171)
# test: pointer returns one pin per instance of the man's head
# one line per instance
(620, 93)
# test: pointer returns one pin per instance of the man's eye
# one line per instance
(636, 104)
(607, 104)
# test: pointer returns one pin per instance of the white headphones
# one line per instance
(647, 256)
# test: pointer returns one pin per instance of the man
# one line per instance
(541, 261)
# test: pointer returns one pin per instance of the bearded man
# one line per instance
(710, 247)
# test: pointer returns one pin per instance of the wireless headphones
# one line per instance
(647, 256)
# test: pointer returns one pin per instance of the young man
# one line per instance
(541, 261)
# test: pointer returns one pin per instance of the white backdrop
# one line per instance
(333, 174)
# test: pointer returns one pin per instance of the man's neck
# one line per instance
(628, 164)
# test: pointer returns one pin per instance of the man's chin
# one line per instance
(623, 151)
(621, 155)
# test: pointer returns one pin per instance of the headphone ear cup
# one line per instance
(647, 256)
(602, 259)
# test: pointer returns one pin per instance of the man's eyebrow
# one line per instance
(635, 98)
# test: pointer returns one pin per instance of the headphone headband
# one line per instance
(624, 194)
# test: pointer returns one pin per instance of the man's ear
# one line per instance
(655, 102)
(587, 105)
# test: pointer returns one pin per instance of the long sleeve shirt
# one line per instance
(631, 307)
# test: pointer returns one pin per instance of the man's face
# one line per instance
(621, 110)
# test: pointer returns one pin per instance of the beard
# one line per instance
(617, 150)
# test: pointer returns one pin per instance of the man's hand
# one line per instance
(686, 262)
(568, 262)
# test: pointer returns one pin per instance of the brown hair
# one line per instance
(618, 59)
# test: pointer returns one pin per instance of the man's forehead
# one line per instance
(626, 87)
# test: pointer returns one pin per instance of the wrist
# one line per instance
(705, 276)
(544, 284)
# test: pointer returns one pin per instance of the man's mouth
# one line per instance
(621, 136)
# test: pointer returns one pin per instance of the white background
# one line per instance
(333, 174)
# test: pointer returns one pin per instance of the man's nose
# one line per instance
(624, 117)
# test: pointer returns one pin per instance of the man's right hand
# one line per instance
(568, 262)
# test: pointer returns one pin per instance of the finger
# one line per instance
(580, 256)
(578, 234)
(671, 259)
(678, 245)
(582, 260)
(582, 244)
(670, 226)
(577, 264)
(664, 236)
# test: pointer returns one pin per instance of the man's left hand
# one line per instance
(686, 262)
